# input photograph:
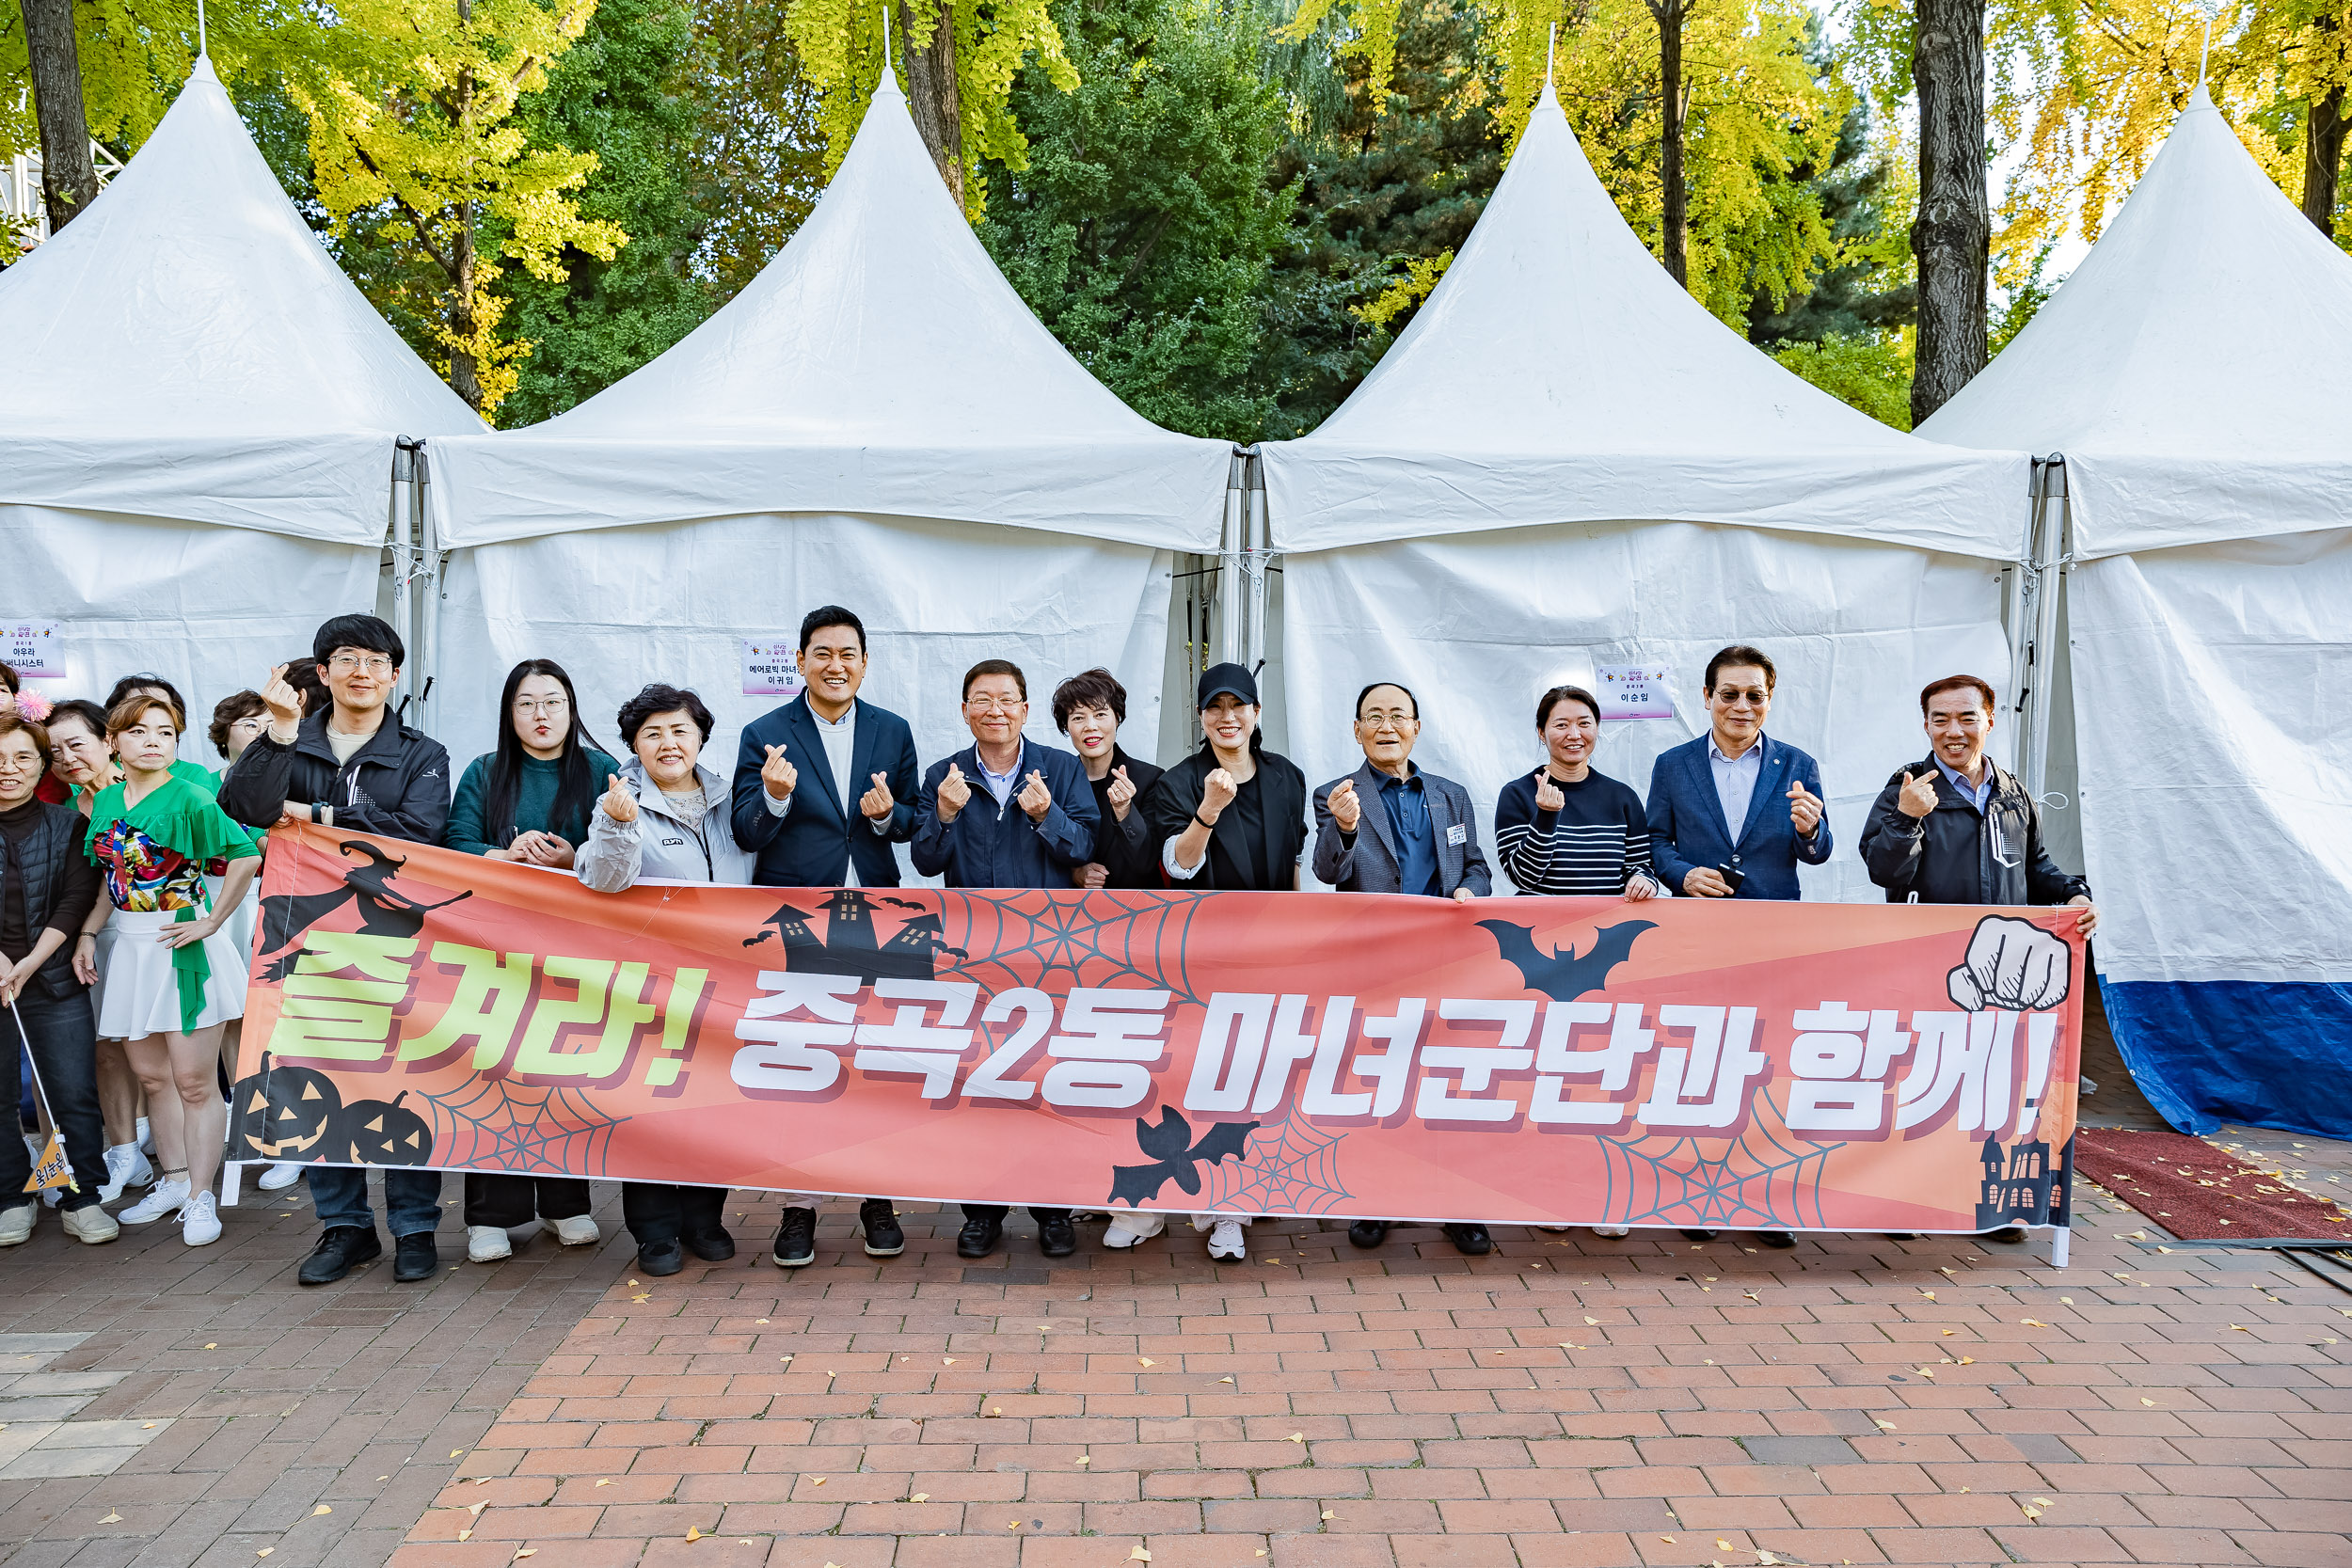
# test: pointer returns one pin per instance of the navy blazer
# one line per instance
(989, 846)
(1686, 820)
(814, 841)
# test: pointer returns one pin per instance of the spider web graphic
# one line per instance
(555, 1129)
(1757, 1181)
(1027, 939)
(1292, 1169)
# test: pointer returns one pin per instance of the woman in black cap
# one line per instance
(1231, 816)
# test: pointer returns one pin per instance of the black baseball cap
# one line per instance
(1219, 679)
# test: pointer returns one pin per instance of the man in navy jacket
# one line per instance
(1005, 813)
(823, 784)
(1733, 811)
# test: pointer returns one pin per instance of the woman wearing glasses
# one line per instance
(529, 801)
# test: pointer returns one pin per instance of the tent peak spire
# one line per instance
(889, 76)
(1552, 47)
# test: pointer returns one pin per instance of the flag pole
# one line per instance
(40, 1093)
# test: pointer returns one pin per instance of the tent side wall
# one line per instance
(2216, 757)
(1480, 624)
(618, 608)
(209, 608)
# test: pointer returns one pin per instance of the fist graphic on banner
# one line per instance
(2013, 964)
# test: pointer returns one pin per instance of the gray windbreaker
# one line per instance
(619, 855)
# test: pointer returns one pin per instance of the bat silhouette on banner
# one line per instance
(1563, 977)
(1176, 1157)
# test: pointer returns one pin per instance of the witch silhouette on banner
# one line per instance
(384, 910)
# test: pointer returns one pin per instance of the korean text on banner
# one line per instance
(1530, 1060)
(33, 648)
(771, 668)
(1635, 690)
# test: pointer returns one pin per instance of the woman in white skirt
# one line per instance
(167, 974)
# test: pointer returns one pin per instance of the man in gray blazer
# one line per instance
(1391, 828)
(1423, 837)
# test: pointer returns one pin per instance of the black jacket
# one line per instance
(1127, 850)
(395, 786)
(51, 868)
(1948, 856)
(1282, 794)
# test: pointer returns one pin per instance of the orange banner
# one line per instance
(1549, 1061)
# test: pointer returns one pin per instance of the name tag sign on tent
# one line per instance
(1635, 690)
(771, 668)
(33, 648)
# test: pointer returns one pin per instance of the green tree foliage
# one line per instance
(757, 155)
(1142, 228)
(1870, 370)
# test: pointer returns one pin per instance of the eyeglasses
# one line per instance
(1378, 721)
(525, 708)
(993, 705)
(1754, 696)
(254, 723)
(374, 664)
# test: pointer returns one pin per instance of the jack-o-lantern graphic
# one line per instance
(387, 1132)
(288, 1112)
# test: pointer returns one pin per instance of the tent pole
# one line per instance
(401, 533)
(1257, 557)
(428, 654)
(2049, 567)
(1229, 555)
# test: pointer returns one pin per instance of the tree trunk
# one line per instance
(69, 181)
(465, 377)
(932, 95)
(2324, 130)
(1675, 105)
(1952, 236)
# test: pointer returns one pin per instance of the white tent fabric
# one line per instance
(880, 365)
(1566, 462)
(2193, 369)
(2196, 372)
(1557, 374)
(197, 432)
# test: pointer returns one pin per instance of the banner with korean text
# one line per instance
(1554, 1061)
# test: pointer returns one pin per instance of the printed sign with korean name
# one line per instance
(771, 668)
(1696, 1062)
(1635, 690)
(33, 648)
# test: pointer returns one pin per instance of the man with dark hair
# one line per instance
(1089, 707)
(823, 787)
(1035, 825)
(349, 764)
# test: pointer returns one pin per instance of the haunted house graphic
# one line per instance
(849, 946)
(2023, 1185)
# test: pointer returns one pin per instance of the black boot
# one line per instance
(1368, 1233)
(879, 1219)
(979, 1238)
(1779, 1239)
(415, 1258)
(343, 1248)
(796, 1238)
(1470, 1241)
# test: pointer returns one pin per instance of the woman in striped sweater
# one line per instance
(1563, 828)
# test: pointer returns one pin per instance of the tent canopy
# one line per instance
(187, 350)
(880, 365)
(1557, 373)
(2196, 368)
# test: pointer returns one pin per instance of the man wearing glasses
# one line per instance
(1389, 826)
(350, 764)
(1005, 813)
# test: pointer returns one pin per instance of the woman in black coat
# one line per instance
(1089, 709)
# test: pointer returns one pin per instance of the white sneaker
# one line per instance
(1226, 1243)
(125, 1168)
(579, 1230)
(165, 1197)
(143, 1138)
(200, 1219)
(91, 1224)
(285, 1174)
(1613, 1231)
(486, 1244)
(1127, 1229)
(16, 1225)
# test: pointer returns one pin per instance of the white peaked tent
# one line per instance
(876, 421)
(2196, 372)
(197, 432)
(1566, 462)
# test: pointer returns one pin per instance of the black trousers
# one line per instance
(997, 1212)
(64, 1036)
(507, 1201)
(658, 1211)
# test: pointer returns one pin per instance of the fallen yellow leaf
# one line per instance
(1297, 1437)
(818, 1480)
(526, 1551)
(2033, 1322)
(1326, 1514)
(1888, 1425)
(1591, 1322)
(2144, 1399)
(919, 1497)
(692, 1534)
(1225, 1380)
(1144, 1361)
(1086, 1459)
(1136, 1554)
(111, 1518)
(321, 1509)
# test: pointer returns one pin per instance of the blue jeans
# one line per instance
(64, 1036)
(412, 1198)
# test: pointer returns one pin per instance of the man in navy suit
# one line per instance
(1733, 811)
(824, 787)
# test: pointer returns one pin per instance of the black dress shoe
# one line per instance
(1055, 1236)
(660, 1258)
(795, 1240)
(711, 1247)
(343, 1248)
(1368, 1233)
(1780, 1239)
(2007, 1233)
(979, 1238)
(1700, 1235)
(1471, 1241)
(415, 1258)
(879, 1220)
